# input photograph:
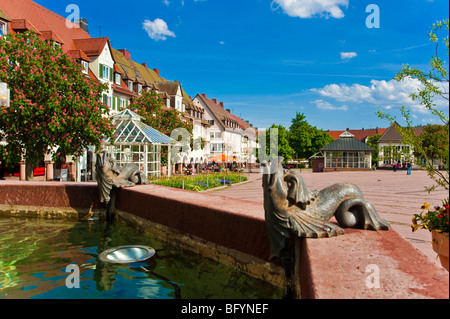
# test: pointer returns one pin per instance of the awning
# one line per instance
(222, 158)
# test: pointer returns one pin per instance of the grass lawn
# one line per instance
(199, 182)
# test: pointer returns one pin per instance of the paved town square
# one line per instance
(396, 196)
(131, 157)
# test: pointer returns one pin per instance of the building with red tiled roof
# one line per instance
(4, 22)
(125, 78)
(217, 112)
(228, 133)
(392, 149)
(361, 135)
(28, 15)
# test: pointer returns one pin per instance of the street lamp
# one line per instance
(4, 94)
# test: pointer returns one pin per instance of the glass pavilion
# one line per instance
(137, 143)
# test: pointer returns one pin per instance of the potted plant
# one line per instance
(436, 221)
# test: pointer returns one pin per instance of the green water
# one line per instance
(35, 252)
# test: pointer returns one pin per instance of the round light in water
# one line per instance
(127, 254)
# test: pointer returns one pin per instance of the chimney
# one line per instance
(83, 25)
(203, 94)
(215, 100)
(221, 104)
(190, 97)
(228, 110)
(126, 53)
(144, 65)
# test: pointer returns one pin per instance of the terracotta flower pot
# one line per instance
(440, 246)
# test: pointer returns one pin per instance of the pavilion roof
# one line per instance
(346, 144)
(130, 130)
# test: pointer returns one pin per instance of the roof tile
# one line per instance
(347, 144)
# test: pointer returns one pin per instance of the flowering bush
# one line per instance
(201, 182)
(53, 105)
(434, 219)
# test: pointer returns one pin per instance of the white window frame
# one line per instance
(118, 79)
(3, 28)
(216, 147)
(106, 72)
(130, 85)
(85, 66)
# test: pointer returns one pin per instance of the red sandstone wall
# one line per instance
(334, 267)
(50, 194)
(234, 224)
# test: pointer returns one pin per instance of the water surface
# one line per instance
(35, 254)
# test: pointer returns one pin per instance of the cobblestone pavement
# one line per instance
(396, 196)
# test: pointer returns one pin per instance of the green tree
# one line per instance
(434, 141)
(54, 108)
(306, 139)
(284, 149)
(373, 143)
(433, 84)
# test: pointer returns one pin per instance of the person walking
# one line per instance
(395, 166)
(408, 168)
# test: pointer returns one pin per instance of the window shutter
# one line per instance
(111, 74)
(100, 71)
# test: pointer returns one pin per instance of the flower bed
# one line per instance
(199, 183)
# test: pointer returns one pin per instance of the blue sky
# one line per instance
(268, 59)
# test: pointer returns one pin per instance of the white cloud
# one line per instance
(221, 42)
(348, 55)
(386, 94)
(311, 8)
(323, 105)
(157, 30)
(166, 2)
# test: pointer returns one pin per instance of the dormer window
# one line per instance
(139, 88)
(105, 72)
(130, 85)
(85, 66)
(118, 79)
(3, 29)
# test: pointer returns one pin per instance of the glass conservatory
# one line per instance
(347, 153)
(137, 143)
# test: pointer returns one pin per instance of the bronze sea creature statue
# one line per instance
(110, 176)
(290, 207)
